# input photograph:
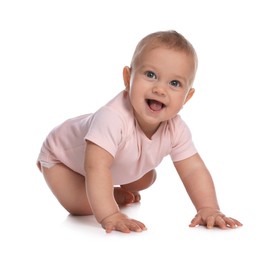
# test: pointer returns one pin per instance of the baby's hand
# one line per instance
(121, 222)
(213, 218)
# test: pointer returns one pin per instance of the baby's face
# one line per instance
(160, 84)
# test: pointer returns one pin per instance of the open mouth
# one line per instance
(155, 105)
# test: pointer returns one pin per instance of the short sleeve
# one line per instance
(182, 144)
(105, 129)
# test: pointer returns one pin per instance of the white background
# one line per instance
(60, 59)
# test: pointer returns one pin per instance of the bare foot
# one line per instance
(124, 197)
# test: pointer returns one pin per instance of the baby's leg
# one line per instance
(69, 188)
(143, 183)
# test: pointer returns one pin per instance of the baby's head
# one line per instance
(160, 78)
(168, 39)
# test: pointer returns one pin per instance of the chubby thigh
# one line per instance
(67, 186)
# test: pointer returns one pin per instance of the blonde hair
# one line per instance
(169, 39)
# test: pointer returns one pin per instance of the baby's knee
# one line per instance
(143, 183)
(149, 178)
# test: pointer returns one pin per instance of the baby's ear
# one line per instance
(126, 77)
(189, 95)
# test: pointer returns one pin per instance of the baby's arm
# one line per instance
(199, 185)
(100, 191)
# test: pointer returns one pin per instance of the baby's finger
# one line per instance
(237, 223)
(195, 221)
(130, 225)
(232, 223)
(109, 227)
(210, 222)
(220, 222)
(140, 224)
(133, 226)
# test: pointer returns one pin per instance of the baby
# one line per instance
(97, 162)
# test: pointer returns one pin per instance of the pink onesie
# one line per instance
(114, 128)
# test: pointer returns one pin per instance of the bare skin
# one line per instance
(158, 84)
(70, 190)
(199, 185)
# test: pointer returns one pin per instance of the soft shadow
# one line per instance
(82, 221)
(89, 222)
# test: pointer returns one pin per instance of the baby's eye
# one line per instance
(150, 74)
(175, 83)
